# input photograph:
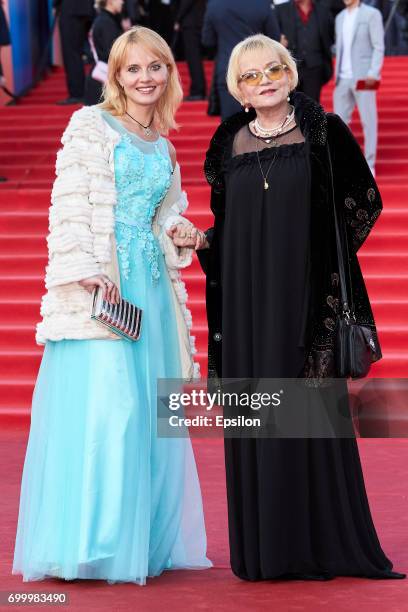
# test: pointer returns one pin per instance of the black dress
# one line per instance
(296, 507)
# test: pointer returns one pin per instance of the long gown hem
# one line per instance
(323, 576)
(141, 581)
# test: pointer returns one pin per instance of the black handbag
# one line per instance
(354, 344)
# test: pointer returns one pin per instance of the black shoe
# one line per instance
(389, 576)
(68, 101)
(194, 98)
(3, 179)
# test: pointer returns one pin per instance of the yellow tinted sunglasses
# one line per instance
(272, 73)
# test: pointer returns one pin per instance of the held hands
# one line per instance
(187, 236)
(110, 291)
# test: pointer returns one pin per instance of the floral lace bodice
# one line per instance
(142, 175)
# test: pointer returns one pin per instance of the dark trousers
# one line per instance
(74, 32)
(311, 81)
(229, 105)
(162, 20)
(192, 50)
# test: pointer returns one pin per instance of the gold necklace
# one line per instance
(264, 176)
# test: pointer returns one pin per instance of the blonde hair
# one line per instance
(114, 98)
(257, 42)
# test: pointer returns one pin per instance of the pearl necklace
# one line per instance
(272, 132)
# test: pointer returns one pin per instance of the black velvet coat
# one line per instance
(357, 198)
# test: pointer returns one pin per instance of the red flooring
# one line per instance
(29, 138)
(386, 472)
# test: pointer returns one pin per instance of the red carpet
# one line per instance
(29, 139)
(218, 589)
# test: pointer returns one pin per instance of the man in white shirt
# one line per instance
(359, 57)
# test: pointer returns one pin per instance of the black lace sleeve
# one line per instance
(355, 187)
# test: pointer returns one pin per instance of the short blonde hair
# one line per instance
(114, 99)
(257, 42)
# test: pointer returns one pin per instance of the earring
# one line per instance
(288, 98)
(246, 107)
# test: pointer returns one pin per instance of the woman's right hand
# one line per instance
(110, 291)
(187, 236)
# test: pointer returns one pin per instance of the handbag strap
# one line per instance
(92, 46)
(347, 302)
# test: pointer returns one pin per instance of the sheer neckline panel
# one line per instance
(246, 142)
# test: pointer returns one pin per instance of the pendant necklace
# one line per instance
(268, 140)
(264, 176)
(146, 128)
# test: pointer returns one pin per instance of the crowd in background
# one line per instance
(313, 30)
(357, 33)
(196, 29)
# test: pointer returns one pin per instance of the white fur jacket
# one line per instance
(81, 240)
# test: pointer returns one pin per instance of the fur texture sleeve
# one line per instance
(71, 239)
(171, 213)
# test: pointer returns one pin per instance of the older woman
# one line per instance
(297, 507)
(102, 496)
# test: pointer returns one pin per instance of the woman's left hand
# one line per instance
(187, 236)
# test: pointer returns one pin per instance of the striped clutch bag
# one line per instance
(124, 319)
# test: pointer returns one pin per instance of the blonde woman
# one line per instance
(297, 508)
(102, 496)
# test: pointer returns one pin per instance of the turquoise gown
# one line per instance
(103, 497)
